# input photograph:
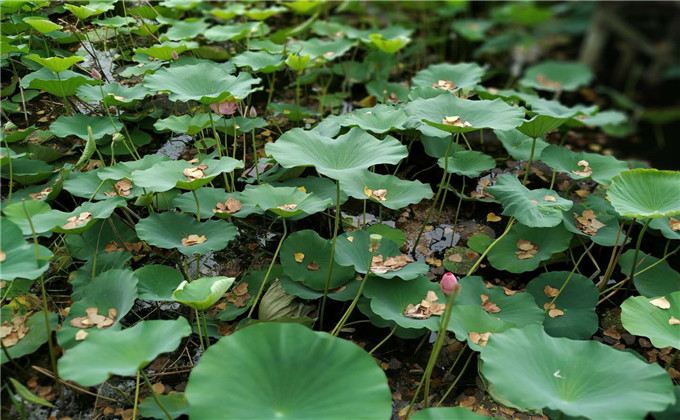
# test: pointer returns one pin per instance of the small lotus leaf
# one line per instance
(602, 168)
(662, 325)
(447, 413)
(282, 201)
(460, 75)
(203, 292)
(56, 64)
(378, 119)
(76, 125)
(553, 76)
(470, 163)
(28, 171)
(34, 338)
(114, 94)
(659, 280)
(646, 193)
(172, 174)
(602, 235)
(261, 61)
(400, 193)
(518, 144)
(185, 124)
(87, 214)
(157, 282)
(546, 241)
(164, 50)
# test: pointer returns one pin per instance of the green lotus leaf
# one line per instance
(114, 22)
(185, 124)
(447, 413)
(437, 146)
(672, 412)
(400, 193)
(533, 370)
(164, 50)
(311, 268)
(88, 185)
(111, 289)
(317, 48)
(122, 147)
(56, 64)
(185, 30)
(602, 168)
(646, 193)
(467, 257)
(390, 297)
(601, 119)
(389, 45)
(663, 224)
(66, 84)
(577, 300)
(114, 94)
(290, 390)
(232, 10)
(34, 338)
(353, 249)
(364, 306)
(470, 163)
(208, 198)
(605, 235)
(383, 90)
(8, 154)
(167, 230)
(261, 61)
(16, 213)
(37, 192)
(76, 125)
(20, 259)
(121, 352)
(222, 33)
(322, 187)
(388, 232)
(494, 114)
(94, 242)
(262, 14)
(282, 201)
(253, 280)
(553, 76)
(125, 169)
(661, 324)
(540, 125)
(42, 24)
(660, 280)
(473, 30)
(28, 171)
(89, 10)
(518, 144)
(535, 208)
(57, 221)
(216, 84)
(334, 157)
(506, 254)
(293, 112)
(157, 282)
(342, 294)
(171, 174)
(378, 119)
(202, 293)
(460, 75)
(175, 403)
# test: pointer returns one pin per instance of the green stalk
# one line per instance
(352, 305)
(446, 190)
(530, 161)
(637, 249)
(217, 143)
(330, 265)
(266, 276)
(257, 170)
(384, 340)
(198, 205)
(200, 329)
(134, 407)
(155, 396)
(205, 326)
(455, 382)
(571, 274)
(455, 220)
(11, 175)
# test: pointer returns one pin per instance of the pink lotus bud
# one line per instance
(95, 74)
(175, 56)
(224, 108)
(449, 284)
(252, 113)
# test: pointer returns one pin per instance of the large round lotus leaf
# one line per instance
(89, 185)
(535, 208)
(460, 75)
(100, 238)
(553, 76)
(57, 64)
(185, 29)
(305, 257)
(115, 94)
(121, 352)
(261, 61)
(76, 125)
(470, 163)
(202, 293)
(517, 308)
(215, 83)
(157, 282)
(171, 174)
(292, 373)
(364, 184)
(86, 11)
(364, 306)
(469, 320)
(124, 169)
(447, 413)
(518, 144)
(378, 119)
(323, 187)
(185, 124)
(333, 157)
(672, 412)
(16, 213)
(555, 108)
(174, 230)
(163, 51)
(472, 30)
(42, 24)
(645, 193)
(28, 171)
(236, 304)
(317, 48)
(577, 301)
(390, 297)
(602, 168)
(208, 199)
(353, 249)
(34, 338)
(66, 84)
(668, 226)
(589, 225)
(533, 370)
(658, 319)
(494, 114)
(86, 214)
(282, 201)
(507, 254)
(221, 33)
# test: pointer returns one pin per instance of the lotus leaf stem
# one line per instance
(615, 255)
(330, 264)
(269, 270)
(637, 249)
(134, 406)
(571, 274)
(455, 220)
(384, 340)
(11, 177)
(198, 205)
(460, 375)
(155, 396)
(530, 161)
(200, 329)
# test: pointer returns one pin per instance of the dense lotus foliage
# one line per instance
(243, 210)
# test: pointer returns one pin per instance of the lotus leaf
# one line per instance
(590, 220)
(363, 184)
(519, 144)
(447, 413)
(121, 352)
(221, 33)
(470, 163)
(241, 302)
(658, 319)
(34, 338)
(261, 61)
(175, 403)
(665, 226)
(28, 171)
(555, 76)
(322, 187)
(185, 29)
(101, 238)
(646, 193)
(202, 293)
(602, 168)
(507, 254)
(659, 280)
(317, 48)
(185, 124)
(20, 259)
(458, 75)
(164, 50)
(282, 201)
(16, 213)
(378, 119)
(77, 125)
(181, 174)
(56, 64)
(157, 282)
(114, 94)
(78, 220)
(66, 84)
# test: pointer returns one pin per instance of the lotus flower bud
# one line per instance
(175, 56)
(224, 108)
(449, 284)
(375, 241)
(116, 137)
(95, 74)
(252, 113)
(10, 126)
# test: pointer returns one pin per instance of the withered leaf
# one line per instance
(526, 249)
(549, 198)
(444, 84)
(312, 266)
(554, 313)
(544, 81)
(455, 121)
(3, 256)
(75, 221)
(480, 339)
(455, 258)
(81, 335)
(230, 206)
(585, 171)
(299, 256)
(587, 222)
(288, 207)
(426, 308)
(193, 240)
(509, 292)
(674, 224)
(492, 217)
(241, 289)
(42, 194)
(661, 302)
(550, 291)
(674, 321)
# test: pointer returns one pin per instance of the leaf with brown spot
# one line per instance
(554, 313)
(674, 321)
(241, 289)
(661, 302)
(288, 207)
(193, 240)
(549, 198)
(479, 339)
(455, 258)
(81, 335)
(490, 307)
(550, 291)
(299, 256)
(585, 171)
(509, 292)
(3, 256)
(312, 266)
(674, 224)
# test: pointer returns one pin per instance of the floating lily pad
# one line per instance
(646, 193)
(658, 319)
(387, 190)
(459, 75)
(533, 370)
(157, 282)
(659, 280)
(545, 241)
(334, 157)
(171, 230)
(181, 174)
(34, 338)
(518, 144)
(602, 168)
(290, 390)
(282, 201)
(535, 208)
(216, 84)
(553, 76)
(121, 352)
(203, 292)
(305, 257)
(578, 320)
(470, 163)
